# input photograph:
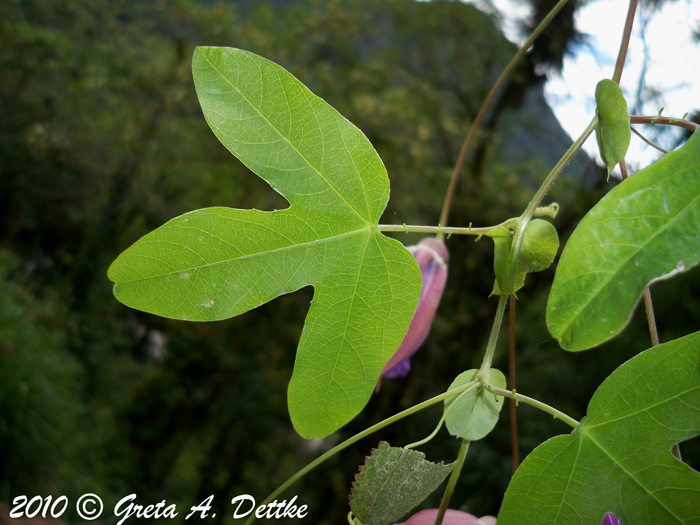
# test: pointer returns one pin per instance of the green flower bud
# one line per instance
(539, 247)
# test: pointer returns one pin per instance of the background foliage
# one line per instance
(102, 140)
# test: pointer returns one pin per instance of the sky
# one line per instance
(672, 64)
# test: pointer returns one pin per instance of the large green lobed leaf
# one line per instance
(216, 263)
(619, 458)
(645, 229)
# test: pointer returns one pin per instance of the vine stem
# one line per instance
(652, 144)
(651, 318)
(493, 338)
(482, 111)
(667, 121)
(407, 228)
(520, 230)
(532, 402)
(357, 437)
(454, 476)
(625, 42)
(444, 415)
(511, 381)
(558, 168)
(624, 174)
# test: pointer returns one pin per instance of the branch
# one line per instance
(441, 230)
(667, 121)
(624, 44)
(532, 402)
(652, 144)
(482, 111)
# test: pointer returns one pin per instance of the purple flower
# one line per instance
(452, 517)
(432, 257)
(610, 519)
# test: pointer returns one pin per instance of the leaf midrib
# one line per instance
(248, 256)
(525, 497)
(661, 230)
(618, 463)
(324, 403)
(645, 409)
(366, 220)
(568, 481)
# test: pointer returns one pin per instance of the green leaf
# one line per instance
(613, 131)
(506, 282)
(538, 249)
(218, 262)
(475, 413)
(392, 482)
(619, 458)
(645, 229)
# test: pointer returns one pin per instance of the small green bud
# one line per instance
(539, 247)
(613, 131)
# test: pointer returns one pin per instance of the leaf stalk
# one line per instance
(625, 42)
(482, 111)
(651, 318)
(359, 436)
(490, 231)
(474, 384)
(667, 121)
(557, 169)
(511, 382)
(493, 338)
(530, 401)
(454, 476)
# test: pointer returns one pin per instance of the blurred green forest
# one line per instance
(102, 140)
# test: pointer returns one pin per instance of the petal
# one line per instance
(610, 519)
(400, 370)
(432, 257)
(452, 517)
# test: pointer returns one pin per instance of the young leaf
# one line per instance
(476, 412)
(392, 482)
(645, 229)
(539, 247)
(218, 262)
(506, 282)
(619, 458)
(613, 131)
